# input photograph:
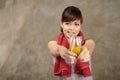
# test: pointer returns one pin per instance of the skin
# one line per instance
(72, 29)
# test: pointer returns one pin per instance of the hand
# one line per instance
(84, 55)
(67, 55)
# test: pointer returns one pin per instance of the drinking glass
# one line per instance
(75, 44)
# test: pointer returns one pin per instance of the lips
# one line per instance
(70, 33)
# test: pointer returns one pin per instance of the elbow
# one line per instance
(91, 45)
(49, 43)
(91, 41)
(52, 47)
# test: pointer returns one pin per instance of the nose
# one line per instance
(71, 27)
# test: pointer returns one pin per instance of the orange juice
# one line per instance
(76, 49)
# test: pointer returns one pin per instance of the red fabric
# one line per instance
(61, 68)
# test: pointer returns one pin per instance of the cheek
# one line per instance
(78, 29)
(65, 28)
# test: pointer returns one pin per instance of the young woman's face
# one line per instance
(71, 28)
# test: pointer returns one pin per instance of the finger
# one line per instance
(84, 52)
(82, 60)
(70, 62)
(81, 54)
(72, 54)
(69, 58)
(86, 59)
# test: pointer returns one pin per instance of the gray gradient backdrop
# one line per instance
(26, 26)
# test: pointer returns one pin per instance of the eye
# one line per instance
(67, 23)
(76, 24)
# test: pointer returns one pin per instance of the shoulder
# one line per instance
(60, 35)
(81, 33)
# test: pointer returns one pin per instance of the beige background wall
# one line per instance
(26, 26)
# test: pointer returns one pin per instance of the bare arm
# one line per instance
(58, 50)
(54, 47)
(87, 50)
(90, 45)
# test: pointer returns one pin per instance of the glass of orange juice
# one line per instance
(75, 44)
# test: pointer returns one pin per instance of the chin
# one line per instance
(67, 36)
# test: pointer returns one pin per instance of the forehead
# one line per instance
(77, 21)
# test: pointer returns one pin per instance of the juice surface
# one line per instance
(76, 49)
